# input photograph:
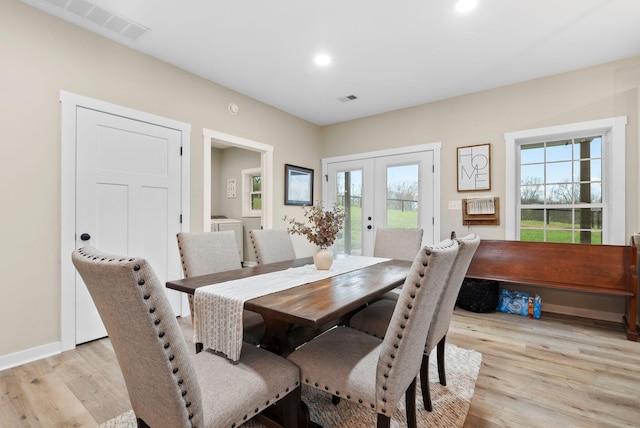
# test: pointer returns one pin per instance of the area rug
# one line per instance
(450, 403)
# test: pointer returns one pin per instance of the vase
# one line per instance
(323, 259)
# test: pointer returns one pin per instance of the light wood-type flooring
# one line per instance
(557, 371)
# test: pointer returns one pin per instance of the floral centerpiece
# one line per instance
(321, 229)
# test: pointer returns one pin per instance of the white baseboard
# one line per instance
(29, 355)
(582, 312)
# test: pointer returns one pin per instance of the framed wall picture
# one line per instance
(474, 168)
(298, 185)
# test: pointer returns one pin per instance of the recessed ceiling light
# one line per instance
(464, 6)
(322, 60)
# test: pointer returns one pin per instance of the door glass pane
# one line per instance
(402, 197)
(349, 197)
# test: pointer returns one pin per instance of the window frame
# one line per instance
(613, 131)
(247, 176)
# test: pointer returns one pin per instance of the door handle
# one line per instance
(85, 236)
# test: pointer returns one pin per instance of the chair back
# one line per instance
(271, 245)
(401, 244)
(444, 310)
(403, 345)
(208, 252)
(148, 342)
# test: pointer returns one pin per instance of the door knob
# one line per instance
(85, 236)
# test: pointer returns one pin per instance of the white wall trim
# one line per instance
(614, 151)
(386, 152)
(29, 355)
(266, 161)
(70, 102)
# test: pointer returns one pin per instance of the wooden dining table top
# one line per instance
(315, 303)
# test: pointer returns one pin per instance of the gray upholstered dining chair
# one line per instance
(375, 318)
(169, 386)
(402, 244)
(211, 252)
(376, 372)
(272, 245)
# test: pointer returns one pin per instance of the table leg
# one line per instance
(275, 337)
(272, 416)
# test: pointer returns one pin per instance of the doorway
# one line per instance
(213, 138)
(398, 188)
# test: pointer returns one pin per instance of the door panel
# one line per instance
(349, 185)
(127, 199)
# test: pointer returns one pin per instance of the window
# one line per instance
(252, 192)
(563, 182)
(561, 191)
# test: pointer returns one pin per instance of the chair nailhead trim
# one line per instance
(135, 268)
(156, 322)
(141, 282)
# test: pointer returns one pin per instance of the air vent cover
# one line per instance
(347, 98)
(102, 17)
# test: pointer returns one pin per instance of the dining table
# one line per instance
(295, 315)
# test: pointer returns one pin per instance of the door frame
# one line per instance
(69, 104)
(435, 147)
(266, 163)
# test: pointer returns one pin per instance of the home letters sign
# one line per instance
(474, 168)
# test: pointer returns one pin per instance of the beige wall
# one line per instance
(41, 55)
(595, 93)
(599, 92)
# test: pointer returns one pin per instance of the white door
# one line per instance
(392, 191)
(128, 200)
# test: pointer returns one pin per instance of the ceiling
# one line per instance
(389, 54)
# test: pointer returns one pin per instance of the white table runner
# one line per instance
(218, 307)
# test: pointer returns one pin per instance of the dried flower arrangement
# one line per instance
(322, 226)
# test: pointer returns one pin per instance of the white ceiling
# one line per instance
(390, 54)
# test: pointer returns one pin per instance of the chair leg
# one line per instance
(424, 382)
(440, 353)
(410, 404)
(141, 423)
(383, 421)
(290, 405)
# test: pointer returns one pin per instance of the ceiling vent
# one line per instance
(102, 17)
(347, 98)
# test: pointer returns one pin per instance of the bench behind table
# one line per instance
(604, 269)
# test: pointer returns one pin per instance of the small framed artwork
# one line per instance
(474, 168)
(298, 185)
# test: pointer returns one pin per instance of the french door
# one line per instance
(390, 189)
